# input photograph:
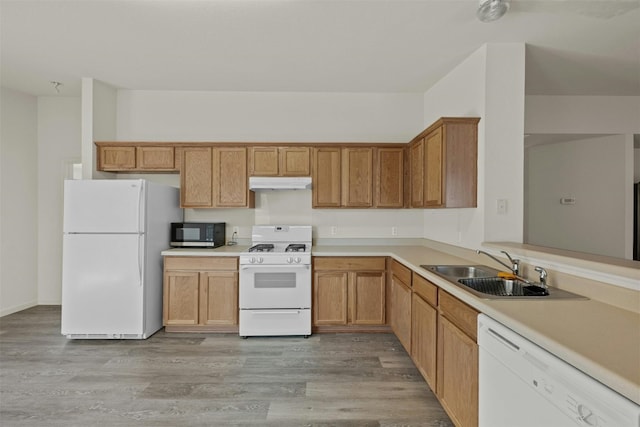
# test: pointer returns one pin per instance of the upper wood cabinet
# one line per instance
(119, 157)
(443, 162)
(416, 176)
(196, 184)
(230, 181)
(116, 158)
(327, 177)
(358, 177)
(215, 178)
(279, 161)
(155, 158)
(389, 179)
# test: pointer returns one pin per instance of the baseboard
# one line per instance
(10, 310)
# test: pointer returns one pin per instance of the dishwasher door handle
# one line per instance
(503, 340)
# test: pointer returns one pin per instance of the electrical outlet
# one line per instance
(394, 231)
(334, 230)
(236, 229)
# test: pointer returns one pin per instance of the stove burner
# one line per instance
(262, 247)
(296, 247)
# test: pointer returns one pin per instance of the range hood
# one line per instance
(279, 183)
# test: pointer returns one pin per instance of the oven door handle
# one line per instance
(280, 266)
(273, 312)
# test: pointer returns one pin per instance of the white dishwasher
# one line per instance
(523, 385)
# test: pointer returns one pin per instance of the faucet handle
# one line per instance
(515, 263)
(543, 275)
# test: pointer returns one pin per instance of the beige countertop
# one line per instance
(599, 339)
(234, 250)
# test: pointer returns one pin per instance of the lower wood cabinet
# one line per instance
(401, 303)
(424, 328)
(200, 293)
(457, 360)
(349, 291)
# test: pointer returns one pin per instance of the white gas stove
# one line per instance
(275, 282)
(279, 244)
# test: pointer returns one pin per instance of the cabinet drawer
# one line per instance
(350, 263)
(200, 263)
(427, 290)
(403, 273)
(459, 313)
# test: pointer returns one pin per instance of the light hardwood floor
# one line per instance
(206, 379)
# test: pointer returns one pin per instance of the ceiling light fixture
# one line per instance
(490, 10)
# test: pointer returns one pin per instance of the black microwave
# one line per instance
(197, 234)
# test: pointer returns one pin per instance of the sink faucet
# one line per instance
(515, 263)
(543, 276)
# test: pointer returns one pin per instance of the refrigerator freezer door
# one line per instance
(102, 291)
(104, 206)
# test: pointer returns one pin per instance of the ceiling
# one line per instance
(574, 47)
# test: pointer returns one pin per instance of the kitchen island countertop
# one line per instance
(599, 339)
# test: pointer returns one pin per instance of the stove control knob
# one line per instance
(252, 260)
(289, 260)
(297, 260)
(260, 260)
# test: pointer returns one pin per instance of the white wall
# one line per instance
(279, 117)
(98, 115)
(595, 115)
(590, 171)
(582, 114)
(18, 201)
(58, 148)
(488, 84)
(267, 116)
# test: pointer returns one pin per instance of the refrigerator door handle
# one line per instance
(140, 255)
(140, 201)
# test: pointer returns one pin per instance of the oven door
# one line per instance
(275, 286)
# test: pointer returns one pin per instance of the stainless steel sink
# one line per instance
(462, 270)
(498, 286)
(483, 282)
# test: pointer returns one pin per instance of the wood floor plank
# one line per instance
(175, 379)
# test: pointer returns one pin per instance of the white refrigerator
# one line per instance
(114, 231)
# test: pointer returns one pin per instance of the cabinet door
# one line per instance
(196, 178)
(416, 160)
(263, 161)
(116, 158)
(357, 177)
(219, 298)
(390, 178)
(457, 376)
(294, 161)
(330, 298)
(423, 338)
(181, 298)
(326, 177)
(155, 158)
(367, 298)
(434, 158)
(230, 183)
(401, 312)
